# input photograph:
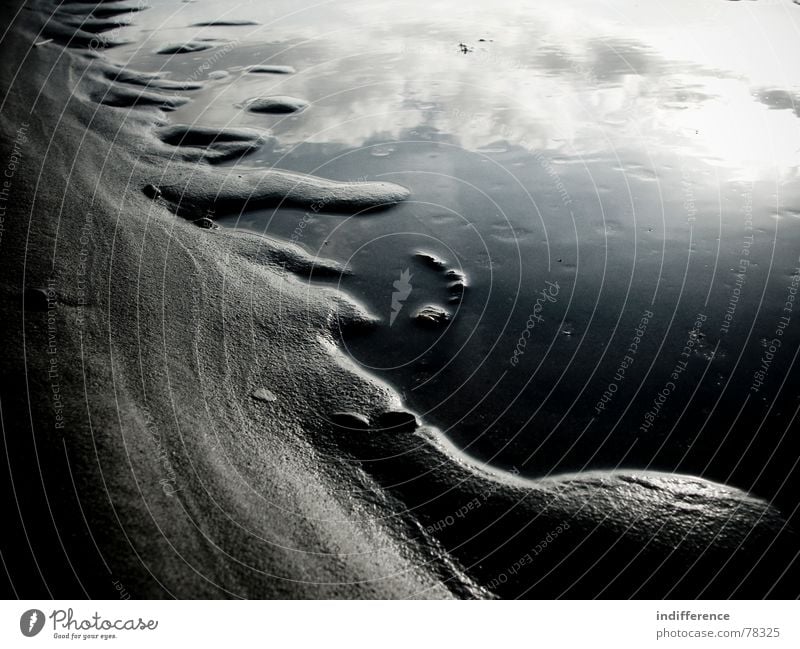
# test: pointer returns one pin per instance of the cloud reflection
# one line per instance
(700, 79)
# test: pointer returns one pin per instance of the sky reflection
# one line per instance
(626, 150)
(547, 76)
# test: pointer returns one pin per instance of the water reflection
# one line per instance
(361, 98)
(634, 173)
(551, 77)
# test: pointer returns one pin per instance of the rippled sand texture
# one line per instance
(179, 416)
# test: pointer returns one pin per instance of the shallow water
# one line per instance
(637, 162)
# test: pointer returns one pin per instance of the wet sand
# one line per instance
(174, 394)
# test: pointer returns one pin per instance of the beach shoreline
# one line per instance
(172, 398)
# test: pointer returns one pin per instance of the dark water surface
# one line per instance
(636, 162)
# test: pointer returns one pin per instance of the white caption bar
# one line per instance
(399, 625)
